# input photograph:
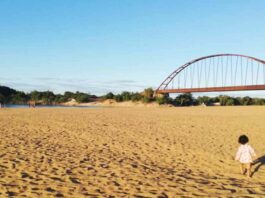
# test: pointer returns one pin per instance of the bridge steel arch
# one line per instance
(164, 86)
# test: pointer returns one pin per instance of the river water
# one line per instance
(48, 106)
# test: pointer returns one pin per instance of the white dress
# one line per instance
(245, 153)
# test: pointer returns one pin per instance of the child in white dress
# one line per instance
(244, 155)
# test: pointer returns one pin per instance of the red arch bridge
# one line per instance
(216, 73)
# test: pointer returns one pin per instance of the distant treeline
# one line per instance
(184, 99)
(11, 96)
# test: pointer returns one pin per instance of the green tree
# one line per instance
(247, 100)
(204, 100)
(223, 100)
(48, 97)
(136, 97)
(2, 98)
(164, 99)
(230, 102)
(126, 96)
(259, 101)
(149, 93)
(69, 95)
(19, 98)
(146, 99)
(184, 100)
(35, 96)
(82, 97)
(118, 98)
(59, 98)
(7, 93)
(109, 95)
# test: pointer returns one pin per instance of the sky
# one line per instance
(116, 45)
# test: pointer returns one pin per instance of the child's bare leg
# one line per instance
(242, 169)
(248, 169)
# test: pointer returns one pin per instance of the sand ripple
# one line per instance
(128, 152)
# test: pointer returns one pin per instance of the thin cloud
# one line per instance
(122, 81)
(60, 85)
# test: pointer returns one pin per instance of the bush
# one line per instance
(164, 99)
(2, 98)
(118, 98)
(109, 95)
(223, 100)
(126, 96)
(204, 100)
(68, 95)
(149, 93)
(247, 101)
(136, 97)
(259, 101)
(161, 100)
(146, 99)
(230, 102)
(184, 100)
(82, 98)
(35, 95)
(60, 99)
(19, 98)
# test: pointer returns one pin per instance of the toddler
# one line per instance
(244, 155)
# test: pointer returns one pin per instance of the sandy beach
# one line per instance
(129, 152)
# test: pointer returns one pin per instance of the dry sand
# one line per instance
(129, 152)
(113, 103)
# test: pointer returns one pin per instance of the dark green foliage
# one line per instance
(161, 100)
(223, 100)
(146, 99)
(60, 99)
(68, 95)
(204, 100)
(147, 96)
(6, 91)
(109, 95)
(19, 98)
(246, 101)
(229, 101)
(82, 97)
(259, 101)
(164, 99)
(11, 96)
(136, 97)
(184, 100)
(6, 94)
(149, 93)
(35, 95)
(47, 97)
(126, 96)
(2, 98)
(118, 98)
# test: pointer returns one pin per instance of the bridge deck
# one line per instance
(213, 89)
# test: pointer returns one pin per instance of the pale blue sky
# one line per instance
(115, 45)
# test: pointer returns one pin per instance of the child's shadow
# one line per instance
(259, 162)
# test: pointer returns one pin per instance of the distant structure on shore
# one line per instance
(32, 104)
